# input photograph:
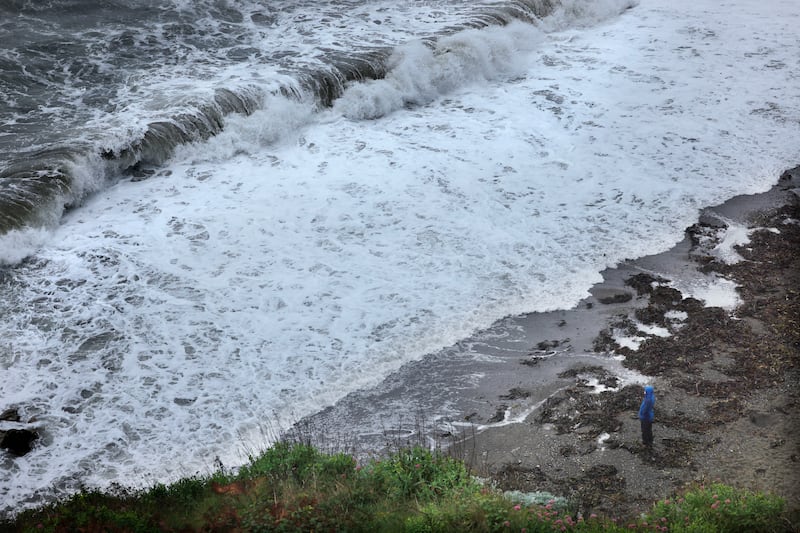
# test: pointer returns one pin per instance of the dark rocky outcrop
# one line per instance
(15, 440)
(10, 415)
(18, 441)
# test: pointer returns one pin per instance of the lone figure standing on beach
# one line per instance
(647, 414)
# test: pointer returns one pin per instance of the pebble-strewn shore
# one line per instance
(726, 383)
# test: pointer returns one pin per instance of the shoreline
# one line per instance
(544, 402)
(548, 401)
(726, 384)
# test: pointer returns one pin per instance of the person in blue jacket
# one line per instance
(647, 414)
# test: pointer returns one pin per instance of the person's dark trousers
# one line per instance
(647, 432)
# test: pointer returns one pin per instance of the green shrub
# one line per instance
(455, 513)
(282, 461)
(720, 508)
(421, 474)
(336, 465)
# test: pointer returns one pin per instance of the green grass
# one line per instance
(294, 487)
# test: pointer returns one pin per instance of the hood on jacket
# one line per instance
(647, 409)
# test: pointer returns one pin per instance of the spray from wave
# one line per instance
(145, 116)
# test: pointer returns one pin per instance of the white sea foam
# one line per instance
(16, 245)
(634, 342)
(626, 341)
(714, 291)
(676, 318)
(735, 235)
(168, 319)
(652, 329)
(419, 74)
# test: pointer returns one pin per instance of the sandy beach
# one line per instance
(548, 401)
(726, 382)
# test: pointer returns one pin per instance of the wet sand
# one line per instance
(548, 401)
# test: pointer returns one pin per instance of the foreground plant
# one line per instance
(719, 507)
(294, 487)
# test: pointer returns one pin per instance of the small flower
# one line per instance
(727, 501)
(715, 505)
(715, 496)
(417, 465)
(517, 507)
(507, 523)
(592, 515)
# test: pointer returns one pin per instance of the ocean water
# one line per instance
(216, 216)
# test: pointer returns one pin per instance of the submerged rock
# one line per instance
(607, 296)
(10, 415)
(18, 441)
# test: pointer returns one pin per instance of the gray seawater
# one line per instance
(184, 292)
(91, 91)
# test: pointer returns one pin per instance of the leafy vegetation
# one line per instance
(294, 487)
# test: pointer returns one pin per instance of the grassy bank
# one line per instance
(294, 487)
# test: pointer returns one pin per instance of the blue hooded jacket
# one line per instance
(647, 410)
